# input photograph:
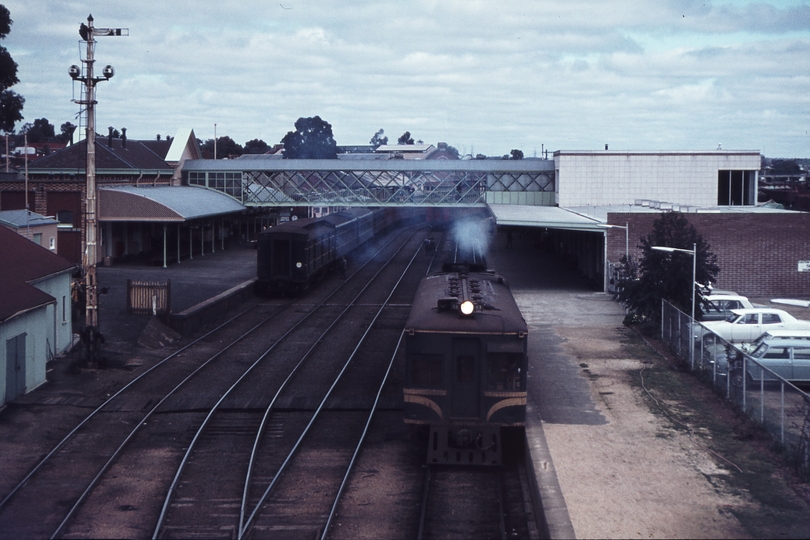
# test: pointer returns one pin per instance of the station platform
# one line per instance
(193, 281)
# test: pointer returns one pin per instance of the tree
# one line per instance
(312, 139)
(41, 131)
(666, 275)
(66, 135)
(11, 103)
(405, 138)
(256, 146)
(226, 147)
(378, 139)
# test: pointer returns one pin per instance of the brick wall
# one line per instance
(758, 253)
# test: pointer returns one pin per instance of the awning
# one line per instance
(552, 217)
(163, 203)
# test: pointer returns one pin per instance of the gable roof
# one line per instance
(184, 146)
(25, 262)
(135, 156)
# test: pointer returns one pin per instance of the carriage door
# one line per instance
(15, 367)
(465, 396)
(281, 258)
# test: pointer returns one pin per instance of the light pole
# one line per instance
(693, 253)
(88, 33)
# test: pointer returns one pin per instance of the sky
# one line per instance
(483, 76)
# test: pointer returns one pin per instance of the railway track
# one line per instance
(320, 373)
(84, 475)
(473, 502)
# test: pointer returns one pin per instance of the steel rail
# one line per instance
(151, 411)
(247, 523)
(109, 400)
(181, 468)
(350, 467)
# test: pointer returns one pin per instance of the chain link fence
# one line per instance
(779, 406)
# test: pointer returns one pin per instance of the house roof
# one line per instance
(22, 218)
(121, 155)
(25, 262)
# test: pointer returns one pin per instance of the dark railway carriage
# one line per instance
(466, 360)
(293, 255)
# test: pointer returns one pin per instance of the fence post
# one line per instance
(782, 413)
(761, 395)
(662, 319)
(744, 381)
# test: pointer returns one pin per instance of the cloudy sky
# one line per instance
(483, 76)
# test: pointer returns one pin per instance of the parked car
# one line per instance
(789, 358)
(717, 307)
(773, 335)
(748, 324)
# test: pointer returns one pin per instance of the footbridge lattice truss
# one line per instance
(261, 181)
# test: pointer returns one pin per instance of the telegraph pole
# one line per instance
(90, 256)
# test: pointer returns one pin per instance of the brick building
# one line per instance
(142, 223)
(606, 201)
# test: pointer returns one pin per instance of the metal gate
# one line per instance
(149, 297)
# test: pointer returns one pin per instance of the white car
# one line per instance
(748, 324)
(717, 307)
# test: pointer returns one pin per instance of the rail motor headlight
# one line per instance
(298, 265)
(467, 307)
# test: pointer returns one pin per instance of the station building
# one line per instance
(605, 201)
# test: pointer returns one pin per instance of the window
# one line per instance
(65, 218)
(776, 352)
(64, 309)
(801, 353)
(52, 243)
(426, 370)
(736, 188)
(771, 318)
(751, 318)
(37, 238)
(196, 178)
(465, 368)
(504, 371)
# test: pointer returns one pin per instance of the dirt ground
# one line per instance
(671, 459)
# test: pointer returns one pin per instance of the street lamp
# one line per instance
(693, 253)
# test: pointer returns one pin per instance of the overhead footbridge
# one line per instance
(264, 180)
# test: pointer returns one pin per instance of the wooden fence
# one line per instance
(149, 297)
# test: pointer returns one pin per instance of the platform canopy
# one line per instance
(552, 217)
(163, 203)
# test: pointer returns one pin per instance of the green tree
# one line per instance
(256, 146)
(11, 103)
(66, 135)
(312, 139)
(405, 138)
(378, 139)
(41, 131)
(226, 147)
(660, 274)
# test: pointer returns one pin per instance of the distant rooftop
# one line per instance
(23, 218)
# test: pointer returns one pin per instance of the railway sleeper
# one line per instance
(464, 445)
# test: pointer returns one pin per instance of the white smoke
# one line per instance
(472, 235)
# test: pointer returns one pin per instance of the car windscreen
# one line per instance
(760, 351)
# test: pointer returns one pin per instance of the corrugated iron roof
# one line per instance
(23, 218)
(163, 203)
(25, 262)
